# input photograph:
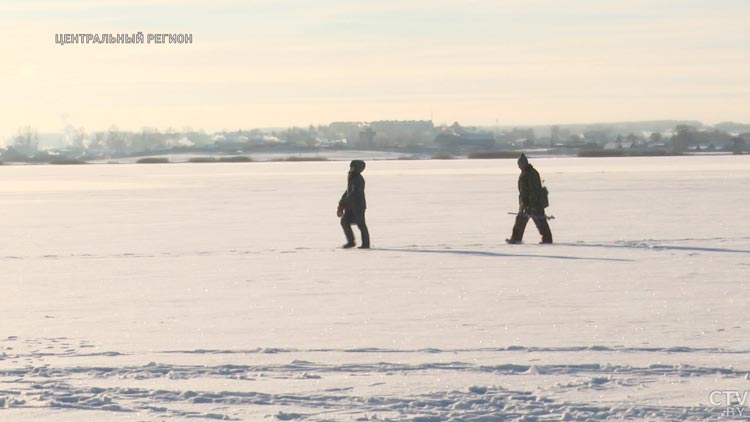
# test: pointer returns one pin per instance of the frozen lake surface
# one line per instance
(217, 291)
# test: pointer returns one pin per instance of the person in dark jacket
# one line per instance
(352, 206)
(530, 203)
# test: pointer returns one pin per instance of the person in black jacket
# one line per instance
(352, 206)
(530, 203)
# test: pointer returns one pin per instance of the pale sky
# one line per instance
(266, 63)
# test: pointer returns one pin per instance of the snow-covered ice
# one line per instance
(217, 291)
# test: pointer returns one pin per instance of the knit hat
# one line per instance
(358, 165)
(522, 160)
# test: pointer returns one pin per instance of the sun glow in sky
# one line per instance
(267, 63)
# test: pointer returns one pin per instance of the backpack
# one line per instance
(545, 197)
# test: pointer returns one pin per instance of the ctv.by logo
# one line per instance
(734, 402)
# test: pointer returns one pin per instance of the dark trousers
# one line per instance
(358, 218)
(541, 224)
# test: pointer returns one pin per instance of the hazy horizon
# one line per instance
(286, 63)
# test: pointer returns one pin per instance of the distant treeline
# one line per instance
(421, 137)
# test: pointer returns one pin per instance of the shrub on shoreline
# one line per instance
(202, 160)
(67, 161)
(296, 158)
(153, 160)
(494, 154)
(622, 153)
(442, 157)
(234, 159)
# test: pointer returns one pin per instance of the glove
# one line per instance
(340, 211)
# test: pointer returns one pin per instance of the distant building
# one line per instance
(555, 135)
(345, 126)
(620, 144)
(403, 132)
(523, 143)
(402, 125)
(342, 130)
(367, 138)
(458, 137)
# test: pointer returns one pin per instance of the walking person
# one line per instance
(532, 200)
(352, 206)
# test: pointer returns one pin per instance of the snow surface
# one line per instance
(217, 291)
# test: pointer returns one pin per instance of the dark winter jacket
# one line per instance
(354, 197)
(530, 189)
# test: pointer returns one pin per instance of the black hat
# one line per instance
(358, 165)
